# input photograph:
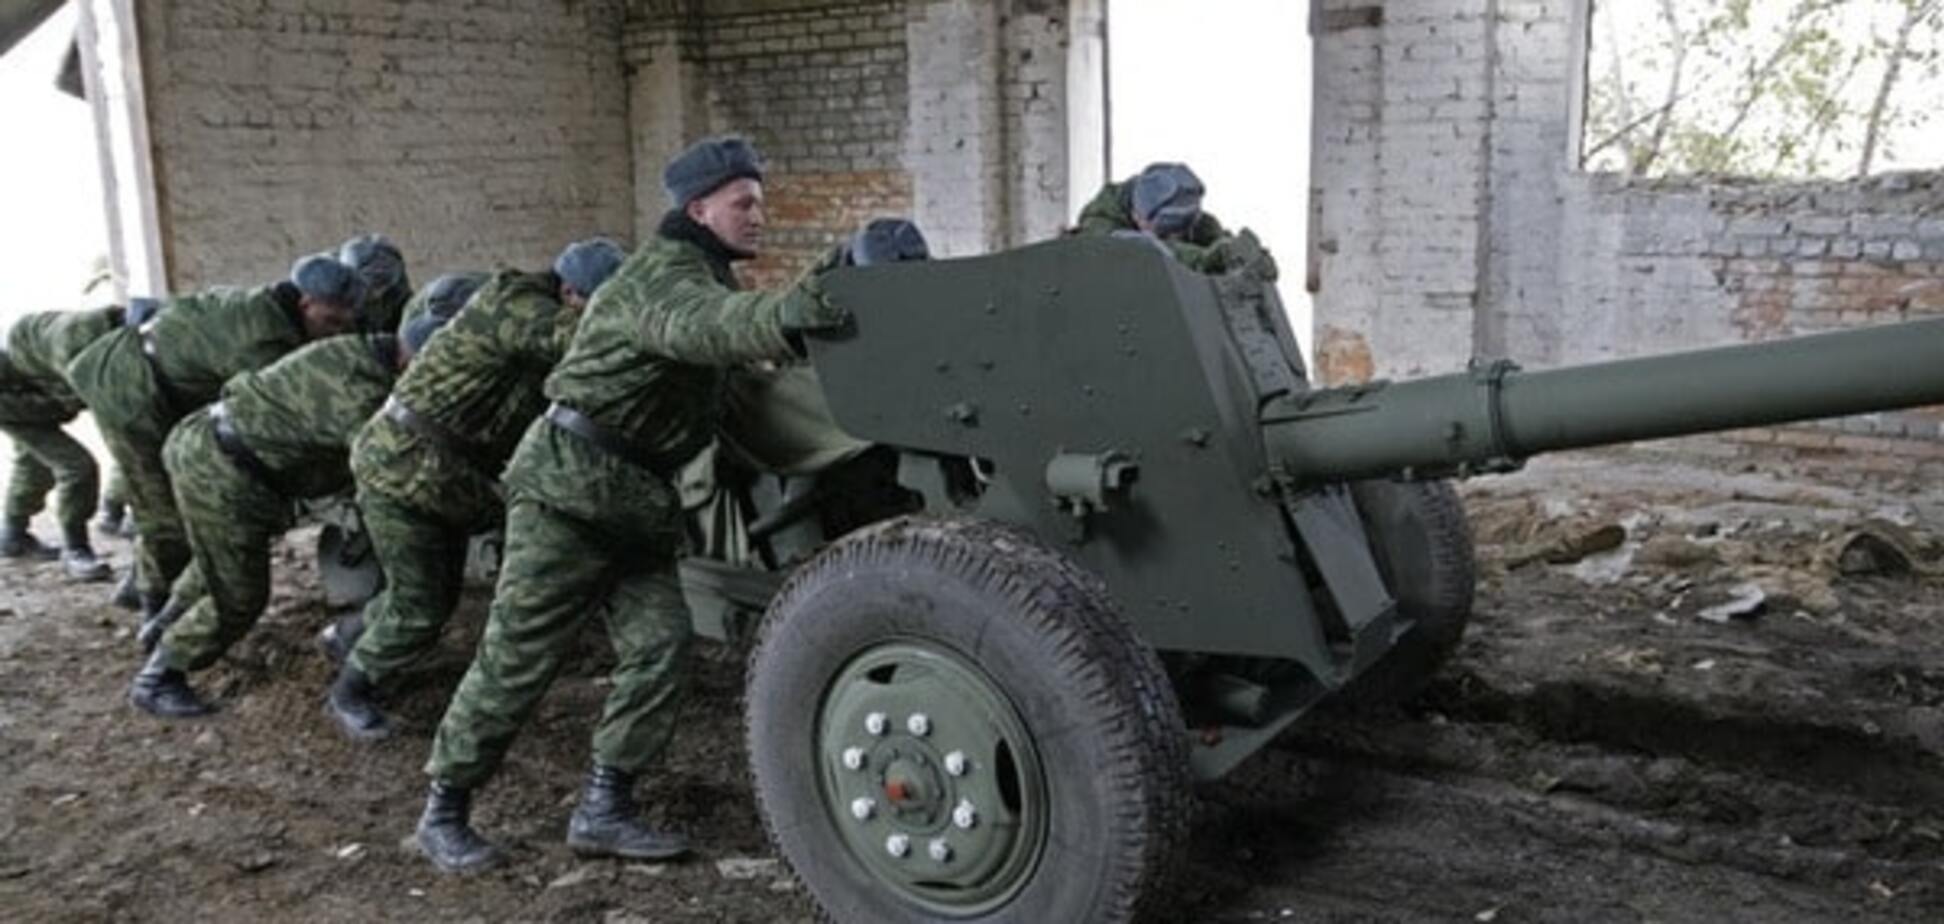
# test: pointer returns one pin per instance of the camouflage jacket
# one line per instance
(200, 341)
(646, 365)
(1112, 210)
(39, 347)
(23, 401)
(479, 379)
(299, 413)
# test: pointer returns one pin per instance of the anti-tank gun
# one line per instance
(1109, 509)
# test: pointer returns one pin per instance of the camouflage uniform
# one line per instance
(192, 347)
(589, 530)
(1112, 210)
(35, 401)
(421, 497)
(292, 422)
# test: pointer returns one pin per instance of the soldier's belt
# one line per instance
(434, 432)
(566, 418)
(233, 445)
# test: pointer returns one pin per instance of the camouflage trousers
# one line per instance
(45, 457)
(161, 546)
(424, 559)
(231, 519)
(114, 495)
(558, 570)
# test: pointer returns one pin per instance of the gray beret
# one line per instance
(707, 165)
(321, 276)
(449, 293)
(1167, 197)
(888, 240)
(586, 264)
(421, 329)
(377, 259)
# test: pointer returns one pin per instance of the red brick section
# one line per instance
(1787, 297)
(1343, 357)
(809, 212)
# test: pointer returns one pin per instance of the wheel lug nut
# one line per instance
(965, 816)
(939, 850)
(862, 809)
(897, 845)
(955, 763)
(853, 758)
(919, 724)
(876, 723)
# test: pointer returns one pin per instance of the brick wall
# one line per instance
(283, 126)
(1453, 222)
(950, 111)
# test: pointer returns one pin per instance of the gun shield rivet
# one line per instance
(919, 724)
(939, 850)
(853, 758)
(955, 763)
(861, 809)
(965, 816)
(897, 845)
(876, 723)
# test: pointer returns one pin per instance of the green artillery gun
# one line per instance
(1088, 535)
(1119, 545)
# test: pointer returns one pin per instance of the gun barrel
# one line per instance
(1495, 415)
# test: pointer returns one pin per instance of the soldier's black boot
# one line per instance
(17, 541)
(157, 620)
(78, 557)
(353, 702)
(607, 824)
(161, 690)
(126, 594)
(337, 639)
(445, 834)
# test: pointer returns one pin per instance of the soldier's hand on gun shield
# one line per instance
(1244, 253)
(809, 308)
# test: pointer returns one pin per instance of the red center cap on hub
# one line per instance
(897, 790)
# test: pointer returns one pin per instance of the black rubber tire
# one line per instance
(1118, 790)
(1422, 541)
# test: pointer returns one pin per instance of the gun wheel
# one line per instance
(1422, 542)
(948, 720)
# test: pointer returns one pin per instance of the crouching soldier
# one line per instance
(1164, 201)
(139, 381)
(276, 435)
(427, 466)
(443, 296)
(387, 289)
(35, 401)
(593, 524)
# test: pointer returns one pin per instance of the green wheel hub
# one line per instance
(930, 777)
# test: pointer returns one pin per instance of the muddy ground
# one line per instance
(1689, 694)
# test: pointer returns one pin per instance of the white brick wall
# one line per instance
(1454, 223)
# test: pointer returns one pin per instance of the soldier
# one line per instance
(427, 466)
(387, 290)
(278, 434)
(593, 522)
(1162, 201)
(444, 296)
(35, 401)
(139, 381)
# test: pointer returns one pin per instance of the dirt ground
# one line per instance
(1689, 694)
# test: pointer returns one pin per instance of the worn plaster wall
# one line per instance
(1453, 222)
(477, 133)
